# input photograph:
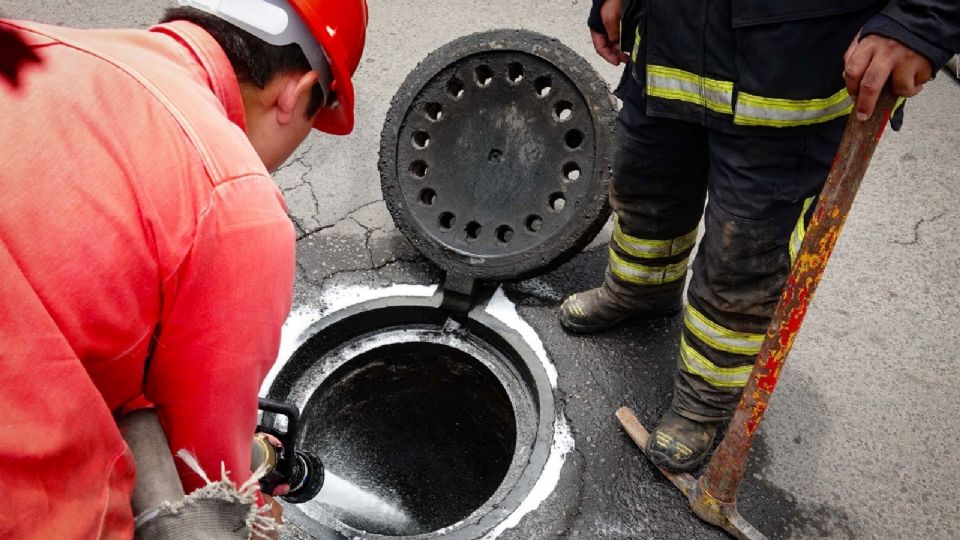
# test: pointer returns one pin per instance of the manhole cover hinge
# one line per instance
(459, 292)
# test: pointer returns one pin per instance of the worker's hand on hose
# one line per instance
(276, 512)
(871, 61)
(608, 44)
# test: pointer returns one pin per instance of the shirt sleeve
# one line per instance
(220, 327)
(593, 20)
(929, 27)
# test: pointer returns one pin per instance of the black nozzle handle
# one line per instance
(290, 412)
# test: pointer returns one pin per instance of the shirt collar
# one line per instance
(214, 63)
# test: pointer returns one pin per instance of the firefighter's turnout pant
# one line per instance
(759, 193)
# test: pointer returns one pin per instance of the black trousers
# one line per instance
(754, 195)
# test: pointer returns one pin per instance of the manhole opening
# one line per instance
(423, 425)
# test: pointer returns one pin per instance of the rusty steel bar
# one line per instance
(721, 480)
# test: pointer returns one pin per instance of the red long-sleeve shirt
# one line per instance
(136, 222)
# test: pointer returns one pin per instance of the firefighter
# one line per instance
(739, 106)
(145, 253)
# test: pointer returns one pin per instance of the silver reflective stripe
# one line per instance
(677, 84)
(799, 231)
(698, 365)
(717, 337)
(774, 112)
(652, 249)
(646, 275)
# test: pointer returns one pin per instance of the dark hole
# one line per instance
(563, 110)
(484, 75)
(571, 172)
(428, 197)
(446, 221)
(515, 72)
(419, 168)
(543, 85)
(473, 231)
(434, 111)
(423, 423)
(455, 88)
(495, 155)
(504, 234)
(573, 138)
(534, 223)
(558, 201)
(421, 139)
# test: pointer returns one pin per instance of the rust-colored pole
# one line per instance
(721, 480)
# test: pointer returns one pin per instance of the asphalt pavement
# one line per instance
(862, 438)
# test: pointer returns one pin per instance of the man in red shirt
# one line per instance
(145, 252)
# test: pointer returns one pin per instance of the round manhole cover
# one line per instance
(497, 153)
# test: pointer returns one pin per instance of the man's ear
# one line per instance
(294, 89)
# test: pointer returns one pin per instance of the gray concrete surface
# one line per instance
(862, 436)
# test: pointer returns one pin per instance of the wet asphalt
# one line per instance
(861, 439)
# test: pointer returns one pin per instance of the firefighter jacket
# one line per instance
(749, 65)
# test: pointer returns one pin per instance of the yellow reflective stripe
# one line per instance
(636, 44)
(775, 112)
(720, 338)
(698, 365)
(677, 84)
(800, 231)
(640, 274)
(651, 249)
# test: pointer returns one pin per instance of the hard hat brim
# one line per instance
(337, 120)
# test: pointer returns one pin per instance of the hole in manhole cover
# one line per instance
(543, 85)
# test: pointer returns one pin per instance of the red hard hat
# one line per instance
(340, 26)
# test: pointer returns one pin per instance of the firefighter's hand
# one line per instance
(608, 44)
(871, 61)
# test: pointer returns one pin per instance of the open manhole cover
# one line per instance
(434, 418)
(496, 155)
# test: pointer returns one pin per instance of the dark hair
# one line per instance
(254, 61)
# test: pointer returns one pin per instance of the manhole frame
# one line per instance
(340, 327)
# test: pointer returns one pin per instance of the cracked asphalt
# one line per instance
(862, 438)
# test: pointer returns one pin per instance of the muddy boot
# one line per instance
(600, 309)
(680, 444)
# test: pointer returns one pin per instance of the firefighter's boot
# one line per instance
(680, 444)
(612, 303)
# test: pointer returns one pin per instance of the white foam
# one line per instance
(301, 318)
(502, 308)
(562, 445)
(291, 337)
(338, 298)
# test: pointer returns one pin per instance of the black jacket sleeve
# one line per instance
(594, 21)
(930, 27)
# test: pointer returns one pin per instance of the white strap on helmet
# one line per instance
(275, 22)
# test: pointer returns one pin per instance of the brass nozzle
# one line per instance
(263, 454)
